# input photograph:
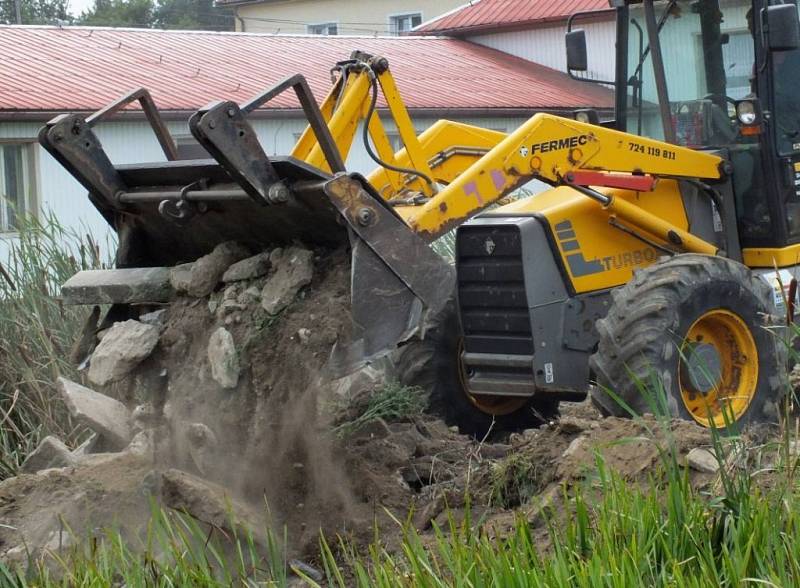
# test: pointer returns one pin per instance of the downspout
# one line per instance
(239, 18)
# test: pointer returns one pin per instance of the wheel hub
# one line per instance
(702, 367)
(718, 372)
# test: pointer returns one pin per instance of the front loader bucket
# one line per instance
(176, 211)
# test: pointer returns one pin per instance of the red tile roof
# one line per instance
(481, 15)
(82, 68)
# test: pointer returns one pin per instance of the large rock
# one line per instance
(207, 271)
(107, 417)
(294, 268)
(206, 502)
(122, 348)
(180, 276)
(702, 460)
(223, 357)
(124, 286)
(248, 269)
(51, 453)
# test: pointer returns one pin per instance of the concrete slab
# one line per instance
(123, 286)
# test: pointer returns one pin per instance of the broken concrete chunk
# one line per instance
(248, 269)
(87, 447)
(207, 271)
(223, 358)
(155, 318)
(142, 444)
(102, 414)
(123, 286)
(574, 447)
(180, 277)
(249, 296)
(51, 453)
(294, 269)
(702, 460)
(122, 348)
(207, 502)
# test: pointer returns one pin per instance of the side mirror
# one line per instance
(577, 59)
(783, 27)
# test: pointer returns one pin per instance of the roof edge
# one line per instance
(464, 31)
(8, 115)
(86, 28)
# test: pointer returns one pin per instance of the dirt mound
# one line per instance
(232, 406)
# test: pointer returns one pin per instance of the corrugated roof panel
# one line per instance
(81, 68)
(487, 14)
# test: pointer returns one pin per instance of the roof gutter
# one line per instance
(42, 116)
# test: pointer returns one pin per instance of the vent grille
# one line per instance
(491, 290)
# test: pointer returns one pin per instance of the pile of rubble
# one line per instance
(212, 397)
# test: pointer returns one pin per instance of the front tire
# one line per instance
(692, 328)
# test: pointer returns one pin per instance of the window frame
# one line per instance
(33, 199)
(327, 24)
(393, 17)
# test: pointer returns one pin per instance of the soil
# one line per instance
(271, 439)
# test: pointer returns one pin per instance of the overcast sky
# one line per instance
(78, 6)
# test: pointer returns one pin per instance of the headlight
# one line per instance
(746, 112)
(582, 116)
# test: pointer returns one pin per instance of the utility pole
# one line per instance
(18, 10)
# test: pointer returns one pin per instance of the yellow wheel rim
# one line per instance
(718, 372)
(496, 406)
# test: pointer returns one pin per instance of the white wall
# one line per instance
(351, 17)
(545, 45)
(132, 142)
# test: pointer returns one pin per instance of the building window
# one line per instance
(402, 23)
(325, 28)
(17, 185)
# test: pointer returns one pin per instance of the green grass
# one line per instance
(175, 551)
(663, 536)
(392, 402)
(36, 333)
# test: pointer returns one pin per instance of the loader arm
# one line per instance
(353, 100)
(558, 150)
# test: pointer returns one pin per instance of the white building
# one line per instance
(335, 17)
(534, 30)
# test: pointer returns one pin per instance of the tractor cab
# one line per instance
(721, 76)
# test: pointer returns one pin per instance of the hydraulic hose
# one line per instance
(368, 147)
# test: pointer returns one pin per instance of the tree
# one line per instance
(193, 14)
(165, 14)
(119, 13)
(35, 11)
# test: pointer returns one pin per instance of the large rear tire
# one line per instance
(693, 328)
(434, 364)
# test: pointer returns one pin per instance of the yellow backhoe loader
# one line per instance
(663, 251)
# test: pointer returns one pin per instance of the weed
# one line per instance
(392, 402)
(515, 480)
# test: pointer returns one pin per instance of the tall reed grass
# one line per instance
(36, 333)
